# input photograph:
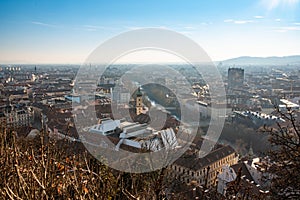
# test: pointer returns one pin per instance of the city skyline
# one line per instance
(151, 99)
(68, 31)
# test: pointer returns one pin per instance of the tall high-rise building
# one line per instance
(235, 77)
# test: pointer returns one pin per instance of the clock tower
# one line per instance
(139, 102)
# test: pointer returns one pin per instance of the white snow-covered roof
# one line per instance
(227, 174)
(106, 126)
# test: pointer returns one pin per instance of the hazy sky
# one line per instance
(57, 31)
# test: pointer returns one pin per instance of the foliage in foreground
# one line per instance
(285, 155)
(45, 169)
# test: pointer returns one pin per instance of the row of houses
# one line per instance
(13, 118)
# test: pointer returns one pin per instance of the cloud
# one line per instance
(43, 24)
(142, 27)
(96, 28)
(278, 20)
(92, 27)
(287, 28)
(291, 28)
(238, 21)
(135, 27)
(243, 21)
(186, 32)
(190, 27)
(258, 17)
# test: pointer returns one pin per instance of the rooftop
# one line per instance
(192, 160)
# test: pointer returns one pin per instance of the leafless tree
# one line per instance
(285, 155)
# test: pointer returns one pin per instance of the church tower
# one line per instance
(139, 102)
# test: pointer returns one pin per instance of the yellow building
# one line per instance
(204, 171)
(139, 102)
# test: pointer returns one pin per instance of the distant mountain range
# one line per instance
(247, 60)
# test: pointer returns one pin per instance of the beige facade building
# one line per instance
(15, 119)
(191, 167)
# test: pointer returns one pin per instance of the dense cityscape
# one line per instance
(38, 100)
(149, 100)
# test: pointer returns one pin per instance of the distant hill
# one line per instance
(247, 60)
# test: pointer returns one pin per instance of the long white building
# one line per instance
(136, 135)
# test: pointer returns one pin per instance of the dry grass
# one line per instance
(45, 169)
(42, 168)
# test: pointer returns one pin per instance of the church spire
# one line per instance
(139, 102)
